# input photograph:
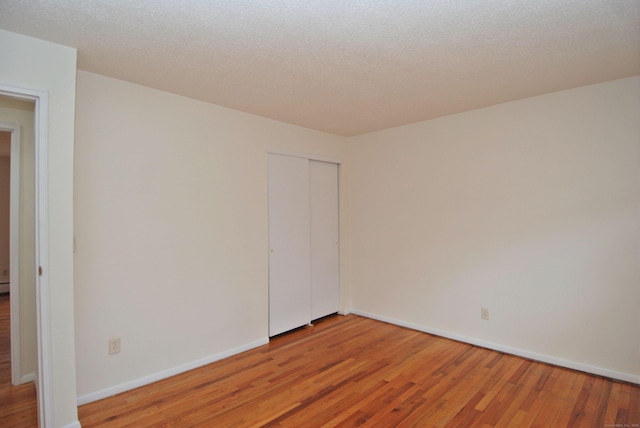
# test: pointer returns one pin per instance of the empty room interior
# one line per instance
(320, 213)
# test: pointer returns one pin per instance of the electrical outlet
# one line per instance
(114, 345)
(484, 314)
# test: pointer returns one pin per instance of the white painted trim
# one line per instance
(75, 424)
(44, 386)
(31, 377)
(549, 359)
(276, 151)
(42, 259)
(14, 257)
(14, 251)
(154, 377)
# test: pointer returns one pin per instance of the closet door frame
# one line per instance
(311, 157)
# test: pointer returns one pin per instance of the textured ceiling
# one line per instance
(344, 66)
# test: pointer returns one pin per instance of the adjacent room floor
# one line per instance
(18, 405)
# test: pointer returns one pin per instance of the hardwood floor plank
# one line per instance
(578, 414)
(624, 404)
(612, 404)
(634, 406)
(512, 403)
(597, 404)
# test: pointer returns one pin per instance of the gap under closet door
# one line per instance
(324, 227)
(289, 243)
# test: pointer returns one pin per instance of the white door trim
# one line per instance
(44, 376)
(14, 251)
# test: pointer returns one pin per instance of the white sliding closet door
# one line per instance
(325, 256)
(289, 244)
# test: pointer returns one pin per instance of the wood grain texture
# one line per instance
(18, 406)
(354, 371)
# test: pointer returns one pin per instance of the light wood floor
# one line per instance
(18, 406)
(351, 371)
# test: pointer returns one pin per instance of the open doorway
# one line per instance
(44, 376)
(18, 319)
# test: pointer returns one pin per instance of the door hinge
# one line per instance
(40, 270)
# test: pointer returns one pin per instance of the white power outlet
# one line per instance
(114, 345)
(484, 314)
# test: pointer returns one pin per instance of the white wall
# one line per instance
(44, 66)
(171, 229)
(530, 208)
(22, 113)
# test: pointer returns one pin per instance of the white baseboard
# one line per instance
(75, 424)
(117, 389)
(626, 377)
(31, 377)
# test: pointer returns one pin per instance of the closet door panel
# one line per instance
(324, 227)
(289, 244)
